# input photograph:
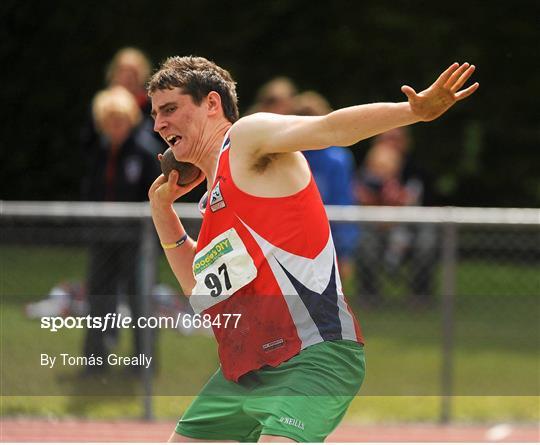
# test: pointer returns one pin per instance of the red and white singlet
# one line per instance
(273, 261)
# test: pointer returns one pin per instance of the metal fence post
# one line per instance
(449, 254)
(147, 274)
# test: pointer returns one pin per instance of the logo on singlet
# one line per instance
(216, 199)
(273, 345)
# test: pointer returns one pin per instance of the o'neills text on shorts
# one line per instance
(294, 422)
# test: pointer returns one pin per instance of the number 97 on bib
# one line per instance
(220, 269)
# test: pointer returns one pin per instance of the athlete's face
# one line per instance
(179, 121)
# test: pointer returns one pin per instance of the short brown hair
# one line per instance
(197, 77)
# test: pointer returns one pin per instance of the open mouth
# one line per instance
(173, 139)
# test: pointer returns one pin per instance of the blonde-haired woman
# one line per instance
(120, 168)
(129, 68)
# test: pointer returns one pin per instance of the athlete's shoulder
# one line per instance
(245, 133)
(252, 123)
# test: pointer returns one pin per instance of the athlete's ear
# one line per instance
(213, 101)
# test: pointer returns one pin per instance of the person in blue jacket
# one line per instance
(334, 170)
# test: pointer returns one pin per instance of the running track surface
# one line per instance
(33, 430)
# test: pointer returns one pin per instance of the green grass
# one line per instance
(368, 409)
(28, 273)
(496, 367)
(491, 409)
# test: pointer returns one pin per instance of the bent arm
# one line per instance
(170, 230)
(162, 195)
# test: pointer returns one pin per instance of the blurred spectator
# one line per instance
(121, 169)
(389, 178)
(333, 169)
(129, 68)
(380, 182)
(275, 96)
(400, 140)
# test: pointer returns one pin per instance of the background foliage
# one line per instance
(483, 153)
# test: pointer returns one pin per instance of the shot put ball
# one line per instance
(187, 172)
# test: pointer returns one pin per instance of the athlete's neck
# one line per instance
(206, 154)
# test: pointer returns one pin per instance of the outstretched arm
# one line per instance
(265, 133)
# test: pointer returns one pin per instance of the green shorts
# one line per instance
(303, 398)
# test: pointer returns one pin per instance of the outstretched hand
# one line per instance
(443, 94)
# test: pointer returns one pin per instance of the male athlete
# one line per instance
(294, 361)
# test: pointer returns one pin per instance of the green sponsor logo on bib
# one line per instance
(212, 255)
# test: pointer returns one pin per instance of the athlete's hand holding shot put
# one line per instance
(262, 254)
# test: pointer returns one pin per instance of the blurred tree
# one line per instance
(484, 152)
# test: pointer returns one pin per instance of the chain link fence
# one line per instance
(448, 300)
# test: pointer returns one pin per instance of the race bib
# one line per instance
(220, 269)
